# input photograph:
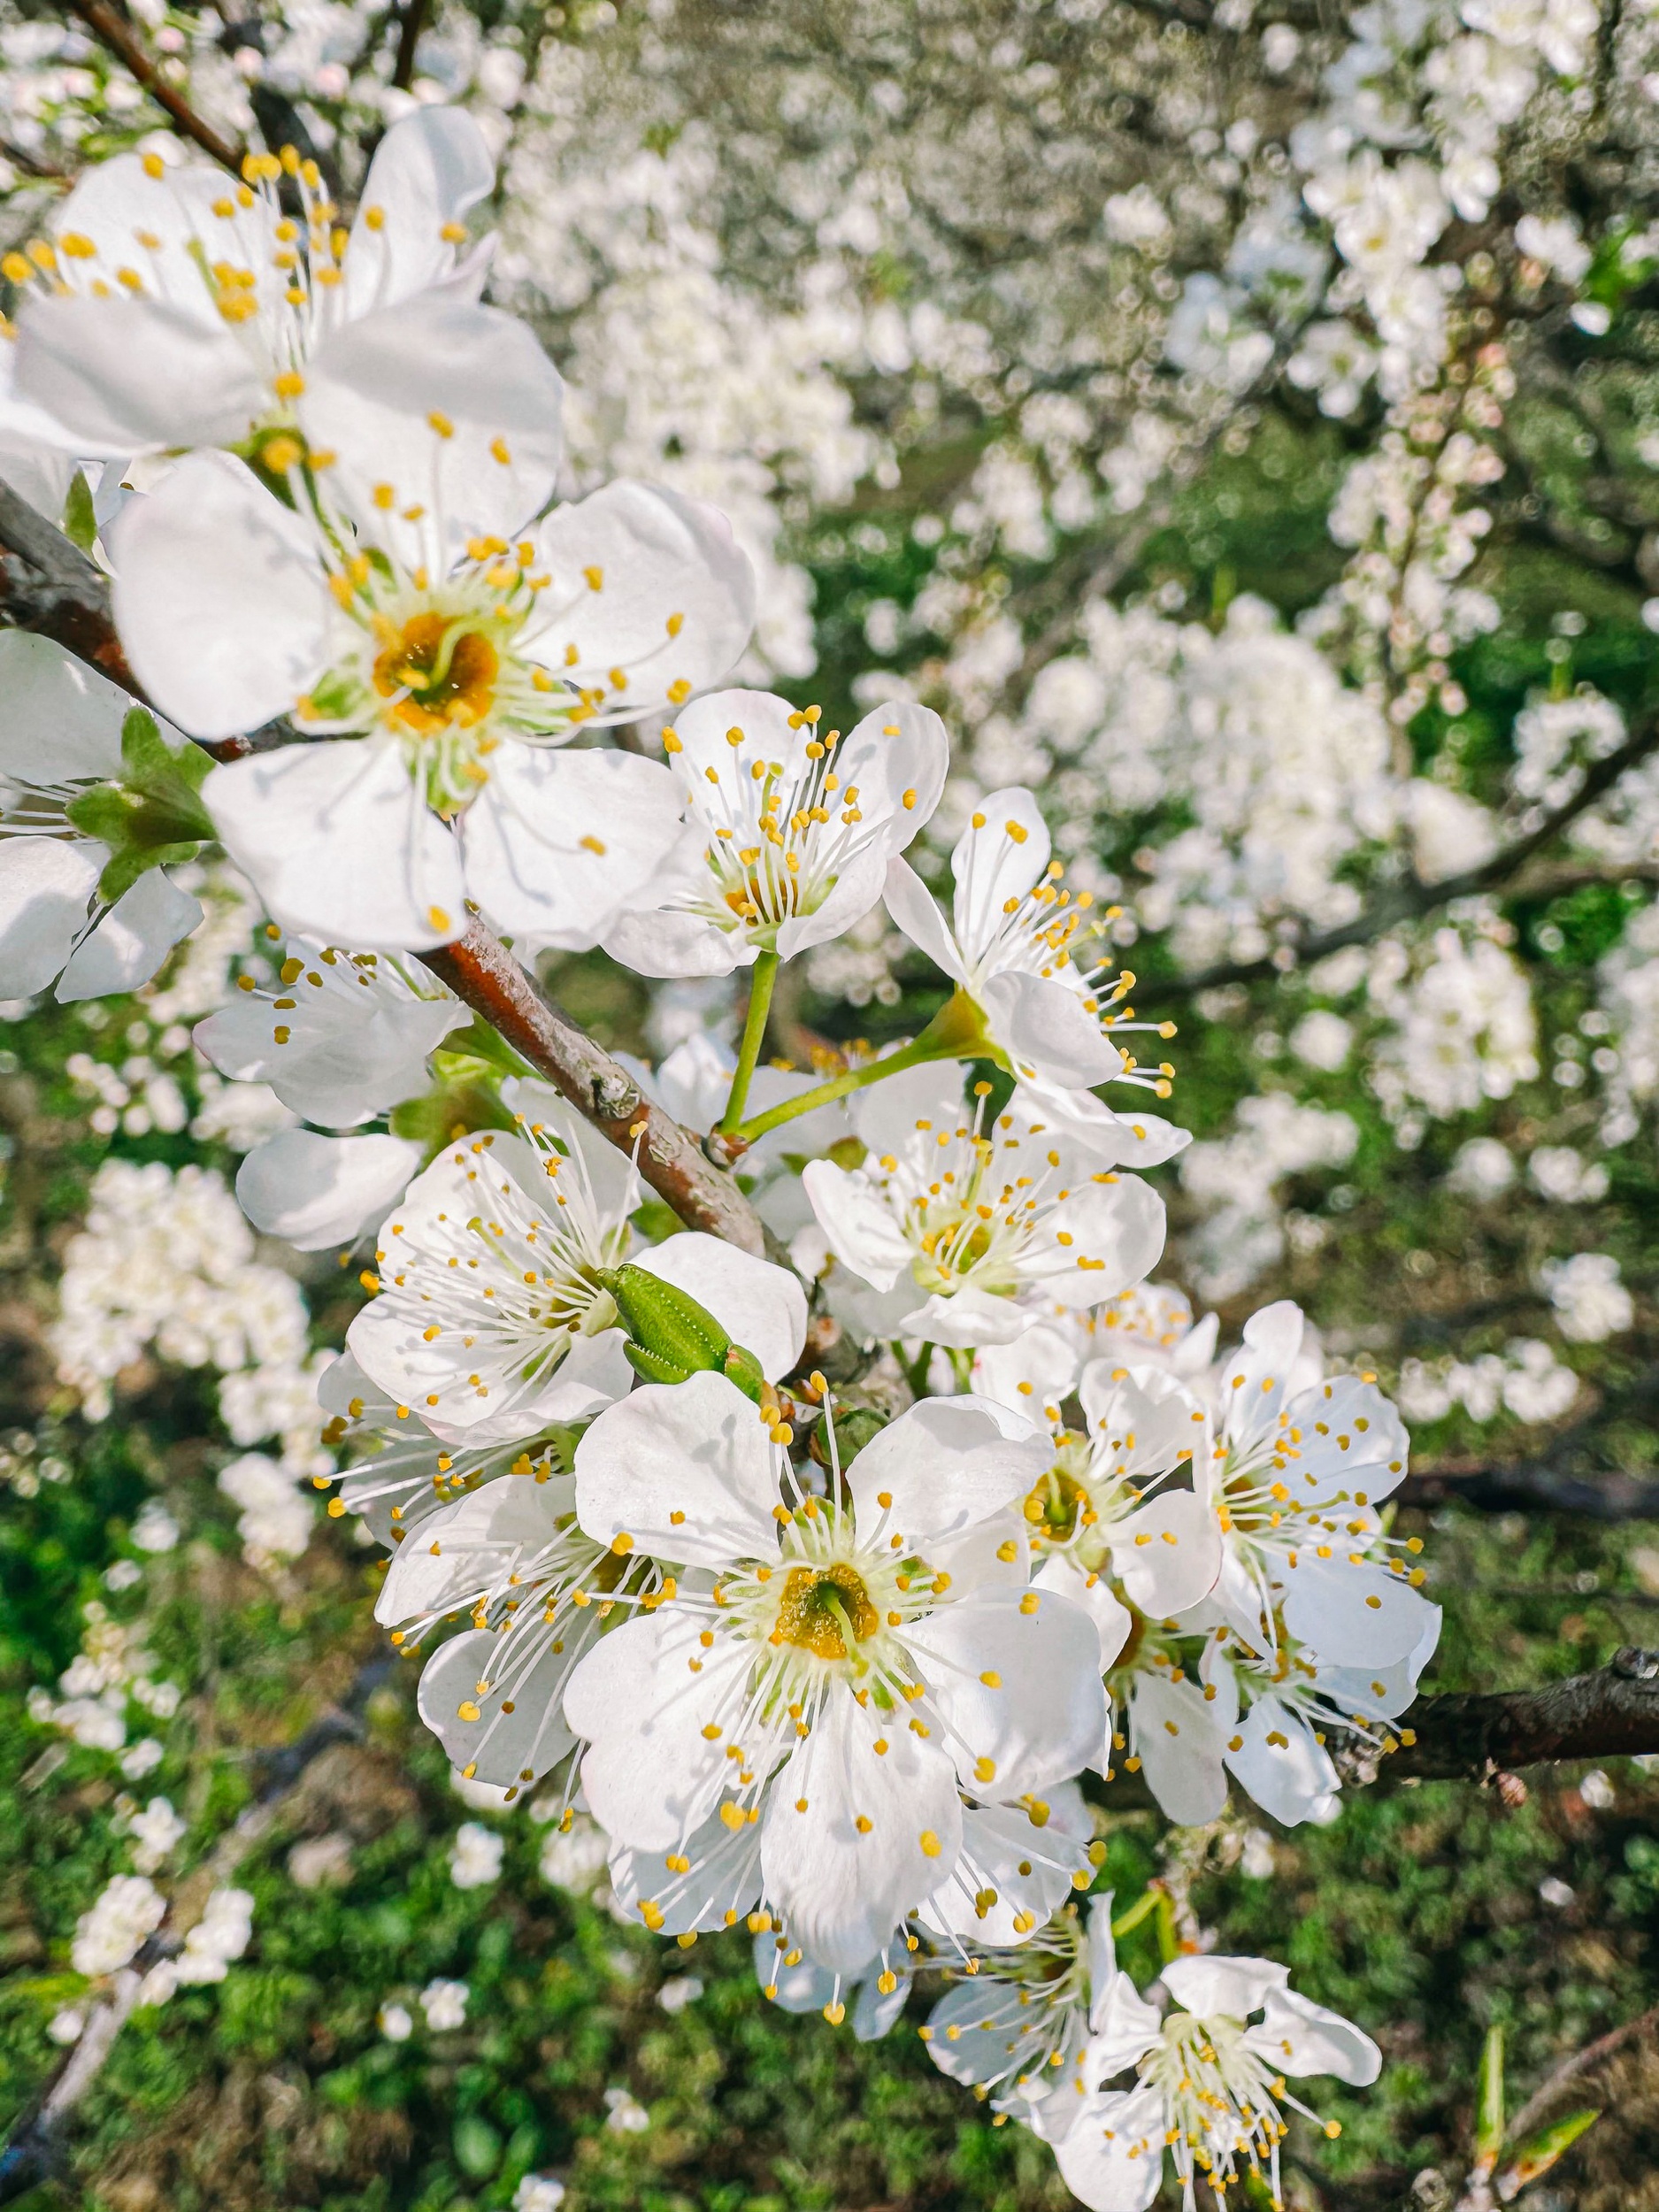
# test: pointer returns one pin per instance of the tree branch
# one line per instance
(1611, 1714)
(1612, 1496)
(414, 21)
(1574, 2069)
(110, 29)
(1406, 901)
(69, 599)
(480, 970)
(60, 594)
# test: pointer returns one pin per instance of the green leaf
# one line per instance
(80, 523)
(1489, 2103)
(1539, 2153)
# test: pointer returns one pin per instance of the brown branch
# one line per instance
(1574, 2069)
(67, 598)
(1408, 902)
(118, 36)
(480, 970)
(414, 21)
(1611, 1714)
(1612, 1496)
(60, 594)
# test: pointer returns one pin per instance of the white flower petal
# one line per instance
(129, 376)
(1180, 1740)
(1132, 1137)
(941, 1468)
(127, 945)
(1207, 1985)
(316, 1192)
(427, 172)
(1043, 1719)
(1093, 1594)
(647, 585)
(1298, 2036)
(1124, 2026)
(1168, 1555)
(967, 1318)
(1013, 1875)
(1045, 1032)
(686, 1469)
(857, 892)
(1294, 1780)
(466, 1543)
(376, 393)
(650, 1775)
(910, 903)
(1032, 1372)
(59, 721)
(759, 1306)
(857, 1223)
(887, 1117)
(842, 1889)
(721, 1886)
(1113, 1236)
(346, 1056)
(556, 843)
(1111, 2159)
(340, 843)
(1002, 852)
(218, 597)
(1349, 1615)
(480, 1673)
(45, 885)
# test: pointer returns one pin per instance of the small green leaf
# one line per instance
(80, 523)
(1539, 2151)
(1489, 2103)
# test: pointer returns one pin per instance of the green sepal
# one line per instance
(667, 1321)
(80, 522)
(1539, 2151)
(740, 1366)
(1489, 2102)
(651, 1367)
(154, 814)
(453, 1108)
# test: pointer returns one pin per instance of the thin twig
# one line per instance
(123, 42)
(1574, 2069)
(480, 970)
(1406, 901)
(1613, 1495)
(414, 21)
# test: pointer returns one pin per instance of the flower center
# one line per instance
(826, 1610)
(1217, 2092)
(438, 675)
(1057, 1506)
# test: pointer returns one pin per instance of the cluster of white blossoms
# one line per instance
(828, 1674)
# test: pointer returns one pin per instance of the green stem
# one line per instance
(1169, 1942)
(1143, 1909)
(764, 974)
(916, 1373)
(956, 1033)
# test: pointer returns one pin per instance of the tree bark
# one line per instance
(1613, 1713)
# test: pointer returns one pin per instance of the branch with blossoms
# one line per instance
(1408, 902)
(826, 1665)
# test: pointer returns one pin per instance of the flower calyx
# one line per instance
(671, 1336)
(153, 814)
